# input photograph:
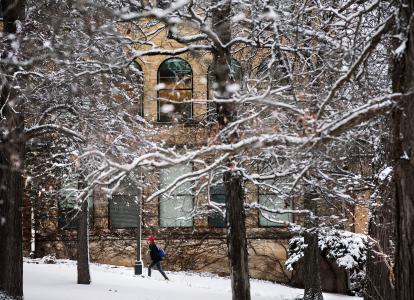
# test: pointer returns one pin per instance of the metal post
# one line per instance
(138, 263)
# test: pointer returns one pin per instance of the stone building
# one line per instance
(192, 243)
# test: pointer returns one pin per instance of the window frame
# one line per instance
(267, 223)
(160, 201)
(188, 119)
(215, 216)
(73, 178)
(120, 193)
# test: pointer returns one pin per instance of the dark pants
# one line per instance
(158, 265)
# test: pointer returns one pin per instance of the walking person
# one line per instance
(156, 257)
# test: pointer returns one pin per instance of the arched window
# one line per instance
(175, 85)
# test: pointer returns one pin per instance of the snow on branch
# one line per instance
(37, 131)
(374, 41)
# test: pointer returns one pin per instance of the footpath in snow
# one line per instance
(58, 282)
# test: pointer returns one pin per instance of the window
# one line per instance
(123, 205)
(68, 206)
(272, 201)
(175, 85)
(273, 198)
(176, 208)
(217, 195)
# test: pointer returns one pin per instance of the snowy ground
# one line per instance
(58, 282)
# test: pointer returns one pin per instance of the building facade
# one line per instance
(192, 241)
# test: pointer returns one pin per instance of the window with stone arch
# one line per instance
(175, 86)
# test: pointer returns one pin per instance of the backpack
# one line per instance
(161, 252)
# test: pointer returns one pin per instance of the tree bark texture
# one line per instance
(403, 124)
(12, 152)
(222, 61)
(237, 242)
(83, 245)
(234, 196)
(380, 258)
(403, 127)
(311, 271)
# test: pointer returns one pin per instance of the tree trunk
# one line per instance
(83, 244)
(237, 242)
(311, 269)
(380, 258)
(12, 151)
(236, 233)
(11, 195)
(403, 125)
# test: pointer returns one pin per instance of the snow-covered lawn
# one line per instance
(58, 282)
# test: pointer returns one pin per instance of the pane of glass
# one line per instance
(175, 73)
(68, 208)
(175, 209)
(68, 218)
(67, 203)
(123, 205)
(68, 192)
(273, 202)
(173, 111)
(168, 175)
(175, 83)
(127, 187)
(173, 96)
(123, 211)
(216, 219)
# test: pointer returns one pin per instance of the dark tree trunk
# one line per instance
(403, 126)
(237, 242)
(380, 259)
(12, 151)
(236, 233)
(83, 245)
(311, 270)
(11, 195)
